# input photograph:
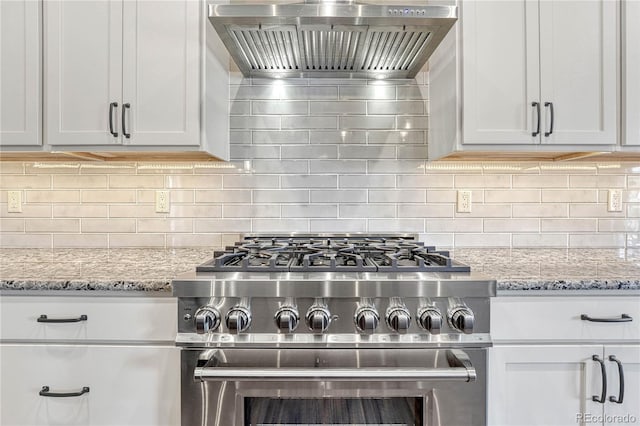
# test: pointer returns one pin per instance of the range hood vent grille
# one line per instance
(288, 41)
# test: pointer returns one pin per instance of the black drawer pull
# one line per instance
(45, 392)
(623, 318)
(603, 371)
(44, 318)
(620, 397)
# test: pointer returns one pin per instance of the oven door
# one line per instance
(242, 387)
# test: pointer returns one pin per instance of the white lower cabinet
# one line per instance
(127, 385)
(547, 369)
(113, 357)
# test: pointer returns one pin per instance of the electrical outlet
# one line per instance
(464, 202)
(614, 200)
(162, 201)
(14, 201)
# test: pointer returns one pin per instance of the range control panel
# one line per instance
(406, 12)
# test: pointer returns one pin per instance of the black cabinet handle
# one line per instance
(620, 397)
(537, 105)
(112, 106)
(603, 370)
(623, 318)
(44, 318)
(550, 105)
(124, 127)
(45, 392)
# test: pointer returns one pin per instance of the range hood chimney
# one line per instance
(331, 39)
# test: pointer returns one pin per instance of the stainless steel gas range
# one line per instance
(333, 330)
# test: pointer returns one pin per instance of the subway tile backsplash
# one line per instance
(322, 155)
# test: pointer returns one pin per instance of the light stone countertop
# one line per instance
(149, 271)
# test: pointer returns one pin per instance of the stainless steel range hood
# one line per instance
(337, 39)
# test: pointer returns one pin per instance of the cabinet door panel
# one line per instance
(20, 85)
(631, 88)
(161, 72)
(129, 385)
(578, 63)
(630, 407)
(543, 385)
(500, 71)
(83, 59)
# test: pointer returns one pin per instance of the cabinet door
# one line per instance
(629, 356)
(500, 71)
(128, 385)
(631, 70)
(543, 385)
(161, 74)
(20, 71)
(83, 64)
(578, 71)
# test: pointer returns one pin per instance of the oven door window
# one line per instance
(333, 411)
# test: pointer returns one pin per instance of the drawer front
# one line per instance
(559, 318)
(96, 318)
(123, 385)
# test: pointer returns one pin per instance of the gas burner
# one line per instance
(332, 254)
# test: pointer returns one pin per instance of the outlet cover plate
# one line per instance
(14, 201)
(614, 200)
(463, 204)
(162, 201)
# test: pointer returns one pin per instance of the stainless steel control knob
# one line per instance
(367, 319)
(462, 319)
(287, 319)
(398, 319)
(430, 319)
(318, 318)
(238, 319)
(207, 320)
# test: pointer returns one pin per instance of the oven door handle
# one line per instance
(333, 374)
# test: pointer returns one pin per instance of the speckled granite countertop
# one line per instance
(151, 270)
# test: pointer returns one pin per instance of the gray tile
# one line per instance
(251, 181)
(412, 122)
(413, 152)
(309, 93)
(395, 107)
(426, 210)
(412, 92)
(223, 196)
(338, 196)
(240, 136)
(257, 81)
(395, 166)
(397, 196)
(281, 137)
(309, 181)
(425, 181)
(310, 210)
(255, 92)
(249, 152)
(367, 122)
(396, 225)
(367, 151)
(368, 210)
(338, 225)
(397, 137)
(309, 122)
(310, 151)
(280, 225)
(337, 166)
(280, 166)
(240, 108)
(280, 196)
(280, 107)
(250, 210)
(367, 181)
(368, 92)
(338, 108)
(222, 225)
(338, 136)
(254, 122)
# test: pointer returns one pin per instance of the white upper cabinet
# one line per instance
(161, 72)
(83, 65)
(500, 71)
(631, 72)
(128, 75)
(578, 71)
(20, 73)
(527, 76)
